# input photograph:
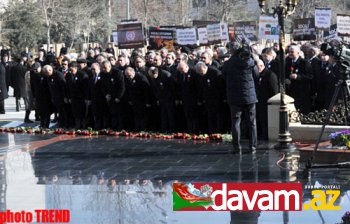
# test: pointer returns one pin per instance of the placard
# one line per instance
(268, 28)
(159, 38)
(243, 30)
(304, 29)
(323, 18)
(130, 35)
(343, 25)
(186, 36)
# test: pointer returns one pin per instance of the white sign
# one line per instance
(343, 25)
(323, 18)
(224, 32)
(202, 35)
(268, 28)
(115, 37)
(186, 36)
(214, 32)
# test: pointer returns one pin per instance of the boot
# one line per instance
(26, 118)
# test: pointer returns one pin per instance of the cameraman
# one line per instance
(241, 96)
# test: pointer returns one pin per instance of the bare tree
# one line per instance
(50, 9)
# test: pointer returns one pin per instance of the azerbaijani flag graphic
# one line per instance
(187, 198)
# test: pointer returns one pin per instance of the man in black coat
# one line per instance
(266, 87)
(189, 95)
(77, 84)
(3, 89)
(326, 82)
(8, 67)
(137, 94)
(163, 87)
(212, 94)
(316, 64)
(18, 81)
(114, 85)
(97, 97)
(82, 65)
(271, 62)
(299, 77)
(42, 95)
(241, 94)
(58, 90)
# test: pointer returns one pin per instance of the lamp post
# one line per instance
(282, 11)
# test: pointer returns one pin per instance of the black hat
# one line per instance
(36, 65)
(81, 60)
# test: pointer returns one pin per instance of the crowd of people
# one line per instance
(184, 90)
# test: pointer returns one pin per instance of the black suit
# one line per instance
(42, 97)
(97, 96)
(212, 90)
(300, 88)
(266, 87)
(58, 90)
(325, 85)
(114, 85)
(316, 70)
(274, 66)
(164, 90)
(78, 92)
(189, 95)
(137, 95)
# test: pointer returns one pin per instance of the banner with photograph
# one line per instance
(343, 25)
(331, 34)
(268, 28)
(323, 18)
(224, 32)
(159, 38)
(186, 36)
(243, 30)
(202, 35)
(304, 29)
(130, 35)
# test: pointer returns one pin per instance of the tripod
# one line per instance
(344, 85)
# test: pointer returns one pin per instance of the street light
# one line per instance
(282, 11)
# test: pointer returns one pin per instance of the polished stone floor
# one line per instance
(118, 180)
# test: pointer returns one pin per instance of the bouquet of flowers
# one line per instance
(341, 138)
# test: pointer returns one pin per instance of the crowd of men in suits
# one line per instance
(187, 90)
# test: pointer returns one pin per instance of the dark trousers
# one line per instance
(140, 121)
(62, 116)
(215, 122)
(167, 114)
(192, 120)
(236, 113)
(2, 106)
(262, 120)
(45, 119)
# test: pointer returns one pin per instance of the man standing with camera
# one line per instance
(241, 96)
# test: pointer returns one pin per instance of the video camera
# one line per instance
(341, 53)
